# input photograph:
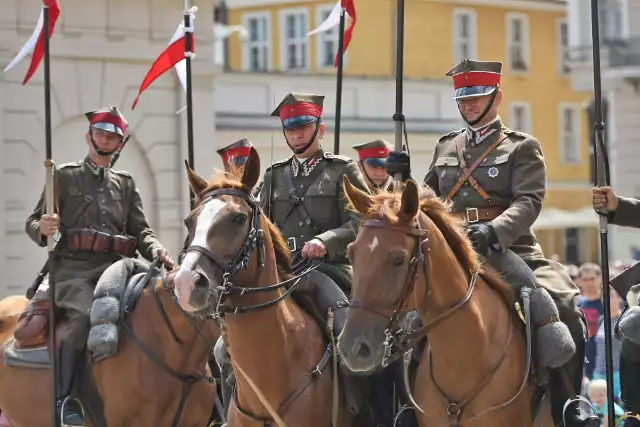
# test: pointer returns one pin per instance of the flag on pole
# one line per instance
(35, 43)
(333, 20)
(172, 56)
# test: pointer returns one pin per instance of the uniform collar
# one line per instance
(475, 136)
(96, 170)
(305, 167)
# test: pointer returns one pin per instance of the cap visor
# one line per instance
(239, 161)
(473, 91)
(108, 127)
(295, 122)
(376, 162)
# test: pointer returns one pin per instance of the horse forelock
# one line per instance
(385, 206)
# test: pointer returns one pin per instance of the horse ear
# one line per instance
(196, 183)
(358, 198)
(251, 172)
(410, 201)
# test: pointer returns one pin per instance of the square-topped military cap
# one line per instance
(237, 151)
(298, 109)
(475, 78)
(108, 119)
(374, 153)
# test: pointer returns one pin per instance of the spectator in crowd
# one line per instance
(590, 302)
(599, 372)
(598, 398)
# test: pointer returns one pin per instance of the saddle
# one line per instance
(32, 330)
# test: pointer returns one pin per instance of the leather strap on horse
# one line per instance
(261, 397)
(467, 172)
(334, 356)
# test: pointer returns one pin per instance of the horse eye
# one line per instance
(240, 219)
(398, 261)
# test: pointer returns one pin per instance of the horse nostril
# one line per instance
(200, 281)
(362, 349)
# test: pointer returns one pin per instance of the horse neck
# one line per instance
(474, 326)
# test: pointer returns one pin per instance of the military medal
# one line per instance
(493, 172)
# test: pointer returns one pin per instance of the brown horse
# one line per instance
(474, 370)
(135, 390)
(274, 345)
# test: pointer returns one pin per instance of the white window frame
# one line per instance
(526, 108)
(321, 38)
(526, 41)
(472, 40)
(303, 40)
(563, 67)
(248, 44)
(576, 157)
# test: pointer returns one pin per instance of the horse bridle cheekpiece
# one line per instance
(254, 241)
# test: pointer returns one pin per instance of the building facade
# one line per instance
(99, 59)
(276, 57)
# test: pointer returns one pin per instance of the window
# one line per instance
(256, 53)
(612, 20)
(520, 117)
(518, 42)
(464, 34)
(563, 46)
(294, 43)
(327, 41)
(570, 134)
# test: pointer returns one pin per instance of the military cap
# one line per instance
(108, 119)
(237, 151)
(298, 109)
(374, 153)
(475, 78)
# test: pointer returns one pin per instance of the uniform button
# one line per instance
(300, 224)
(468, 156)
(104, 225)
(104, 212)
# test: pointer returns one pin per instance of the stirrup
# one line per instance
(583, 406)
(62, 406)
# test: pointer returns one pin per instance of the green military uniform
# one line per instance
(306, 200)
(101, 220)
(375, 154)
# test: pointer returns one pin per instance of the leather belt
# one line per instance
(296, 243)
(473, 215)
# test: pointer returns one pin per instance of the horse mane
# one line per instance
(233, 179)
(385, 206)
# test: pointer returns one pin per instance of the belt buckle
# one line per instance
(291, 242)
(472, 215)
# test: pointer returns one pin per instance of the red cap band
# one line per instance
(235, 153)
(109, 118)
(475, 79)
(374, 153)
(300, 109)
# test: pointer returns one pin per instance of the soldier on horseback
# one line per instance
(495, 179)
(236, 154)
(100, 220)
(625, 212)
(372, 163)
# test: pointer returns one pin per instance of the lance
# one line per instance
(188, 54)
(49, 202)
(398, 117)
(602, 179)
(336, 144)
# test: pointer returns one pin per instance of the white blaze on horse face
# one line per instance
(184, 280)
(374, 244)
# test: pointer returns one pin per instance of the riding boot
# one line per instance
(69, 409)
(227, 378)
(630, 380)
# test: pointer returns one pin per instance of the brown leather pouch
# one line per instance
(73, 240)
(87, 239)
(33, 325)
(102, 242)
(124, 245)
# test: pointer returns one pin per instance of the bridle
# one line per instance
(253, 242)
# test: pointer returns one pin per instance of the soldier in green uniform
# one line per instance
(625, 212)
(372, 162)
(496, 181)
(101, 220)
(236, 154)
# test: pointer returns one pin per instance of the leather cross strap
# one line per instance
(467, 172)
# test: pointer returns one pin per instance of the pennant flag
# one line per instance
(333, 20)
(222, 32)
(173, 56)
(35, 43)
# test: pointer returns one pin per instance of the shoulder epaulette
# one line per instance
(451, 134)
(338, 157)
(123, 173)
(511, 132)
(279, 163)
(71, 165)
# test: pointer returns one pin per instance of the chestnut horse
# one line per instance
(135, 390)
(411, 254)
(237, 267)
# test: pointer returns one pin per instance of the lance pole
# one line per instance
(602, 179)
(398, 117)
(336, 144)
(188, 54)
(50, 210)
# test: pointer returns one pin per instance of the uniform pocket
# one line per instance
(448, 170)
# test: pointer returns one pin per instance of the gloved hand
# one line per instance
(482, 237)
(398, 161)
